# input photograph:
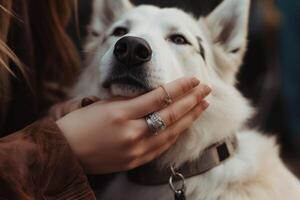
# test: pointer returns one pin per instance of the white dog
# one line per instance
(166, 44)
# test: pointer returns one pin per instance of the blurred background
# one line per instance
(270, 76)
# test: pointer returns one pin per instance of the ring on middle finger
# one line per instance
(155, 123)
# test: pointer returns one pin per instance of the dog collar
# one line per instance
(210, 158)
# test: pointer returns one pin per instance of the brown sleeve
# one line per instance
(37, 163)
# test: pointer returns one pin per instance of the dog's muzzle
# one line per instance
(130, 66)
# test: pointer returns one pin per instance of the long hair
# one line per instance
(6, 55)
(34, 43)
(34, 46)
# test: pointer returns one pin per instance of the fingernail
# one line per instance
(195, 82)
(207, 89)
(205, 105)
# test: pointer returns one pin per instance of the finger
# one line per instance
(155, 100)
(184, 105)
(178, 109)
(173, 132)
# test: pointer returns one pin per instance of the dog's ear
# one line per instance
(228, 25)
(105, 12)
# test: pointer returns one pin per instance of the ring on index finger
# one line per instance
(168, 100)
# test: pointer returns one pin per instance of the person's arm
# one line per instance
(37, 163)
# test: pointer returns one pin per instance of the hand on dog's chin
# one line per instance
(125, 91)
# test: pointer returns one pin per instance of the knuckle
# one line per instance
(171, 117)
(131, 140)
(118, 116)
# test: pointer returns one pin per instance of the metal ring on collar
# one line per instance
(155, 123)
(177, 177)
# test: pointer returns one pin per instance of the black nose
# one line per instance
(132, 51)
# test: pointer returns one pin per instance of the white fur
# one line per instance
(255, 171)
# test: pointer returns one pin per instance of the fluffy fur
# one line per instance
(216, 49)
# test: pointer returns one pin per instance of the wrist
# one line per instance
(65, 126)
(74, 134)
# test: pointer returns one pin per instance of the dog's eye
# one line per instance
(178, 39)
(120, 31)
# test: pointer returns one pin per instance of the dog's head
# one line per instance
(145, 46)
(135, 49)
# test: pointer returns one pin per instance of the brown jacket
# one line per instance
(36, 163)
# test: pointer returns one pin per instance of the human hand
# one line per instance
(112, 136)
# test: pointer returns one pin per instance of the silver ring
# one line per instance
(155, 123)
(180, 178)
(176, 176)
